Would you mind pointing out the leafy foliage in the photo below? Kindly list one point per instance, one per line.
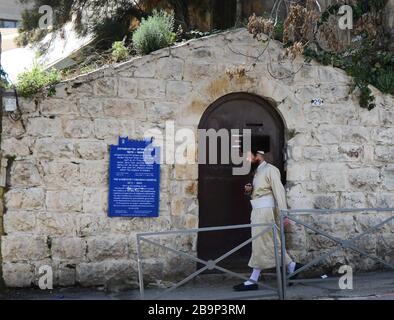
(366, 58)
(366, 65)
(36, 80)
(154, 33)
(119, 51)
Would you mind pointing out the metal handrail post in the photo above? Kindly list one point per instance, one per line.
(277, 262)
(140, 271)
(283, 256)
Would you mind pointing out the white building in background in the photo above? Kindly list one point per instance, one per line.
(10, 13)
(60, 44)
(10, 18)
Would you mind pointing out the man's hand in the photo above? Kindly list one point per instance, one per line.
(248, 188)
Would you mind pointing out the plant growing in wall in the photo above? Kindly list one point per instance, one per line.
(36, 80)
(366, 58)
(119, 51)
(155, 32)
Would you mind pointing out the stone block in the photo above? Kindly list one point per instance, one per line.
(161, 111)
(25, 174)
(386, 117)
(297, 172)
(349, 152)
(326, 201)
(30, 199)
(18, 275)
(91, 107)
(61, 174)
(94, 173)
(178, 90)
(356, 134)
(169, 68)
(92, 225)
(65, 106)
(24, 248)
(19, 221)
(11, 128)
(125, 107)
(329, 134)
(16, 147)
(44, 127)
(107, 128)
(353, 200)
(78, 128)
(106, 87)
(146, 69)
(365, 178)
(107, 247)
(69, 200)
(196, 71)
(65, 274)
(384, 153)
(388, 177)
(186, 172)
(28, 106)
(95, 200)
(128, 88)
(68, 249)
(383, 136)
(57, 224)
(51, 148)
(108, 273)
(92, 150)
(331, 177)
(151, 89)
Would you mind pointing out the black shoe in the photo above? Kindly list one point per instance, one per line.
(297, 266)
(244, 287)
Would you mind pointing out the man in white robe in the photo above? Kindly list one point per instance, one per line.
(268, 198)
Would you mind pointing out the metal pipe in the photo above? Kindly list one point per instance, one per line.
(282, 254)
(140, 271)
(277, 263)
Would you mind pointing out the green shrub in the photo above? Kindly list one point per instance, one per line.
(154, 33)
(119, 51)
(385, 81)
(35, 80)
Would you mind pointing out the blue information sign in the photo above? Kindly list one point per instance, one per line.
(134, 184)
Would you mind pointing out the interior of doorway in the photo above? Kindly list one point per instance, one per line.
(221, 198)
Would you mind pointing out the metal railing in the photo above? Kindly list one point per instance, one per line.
(341, 243)
(210, 264)
(282, 278)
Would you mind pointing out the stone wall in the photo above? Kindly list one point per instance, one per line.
(339, 155)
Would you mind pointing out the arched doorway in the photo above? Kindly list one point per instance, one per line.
(221, 197)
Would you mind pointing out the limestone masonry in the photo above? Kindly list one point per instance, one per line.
(55, 160)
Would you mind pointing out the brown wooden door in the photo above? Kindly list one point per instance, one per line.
(221, 197)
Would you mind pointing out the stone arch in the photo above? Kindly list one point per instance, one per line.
(220, 195)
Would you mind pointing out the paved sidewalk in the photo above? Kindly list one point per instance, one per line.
(369, 286)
